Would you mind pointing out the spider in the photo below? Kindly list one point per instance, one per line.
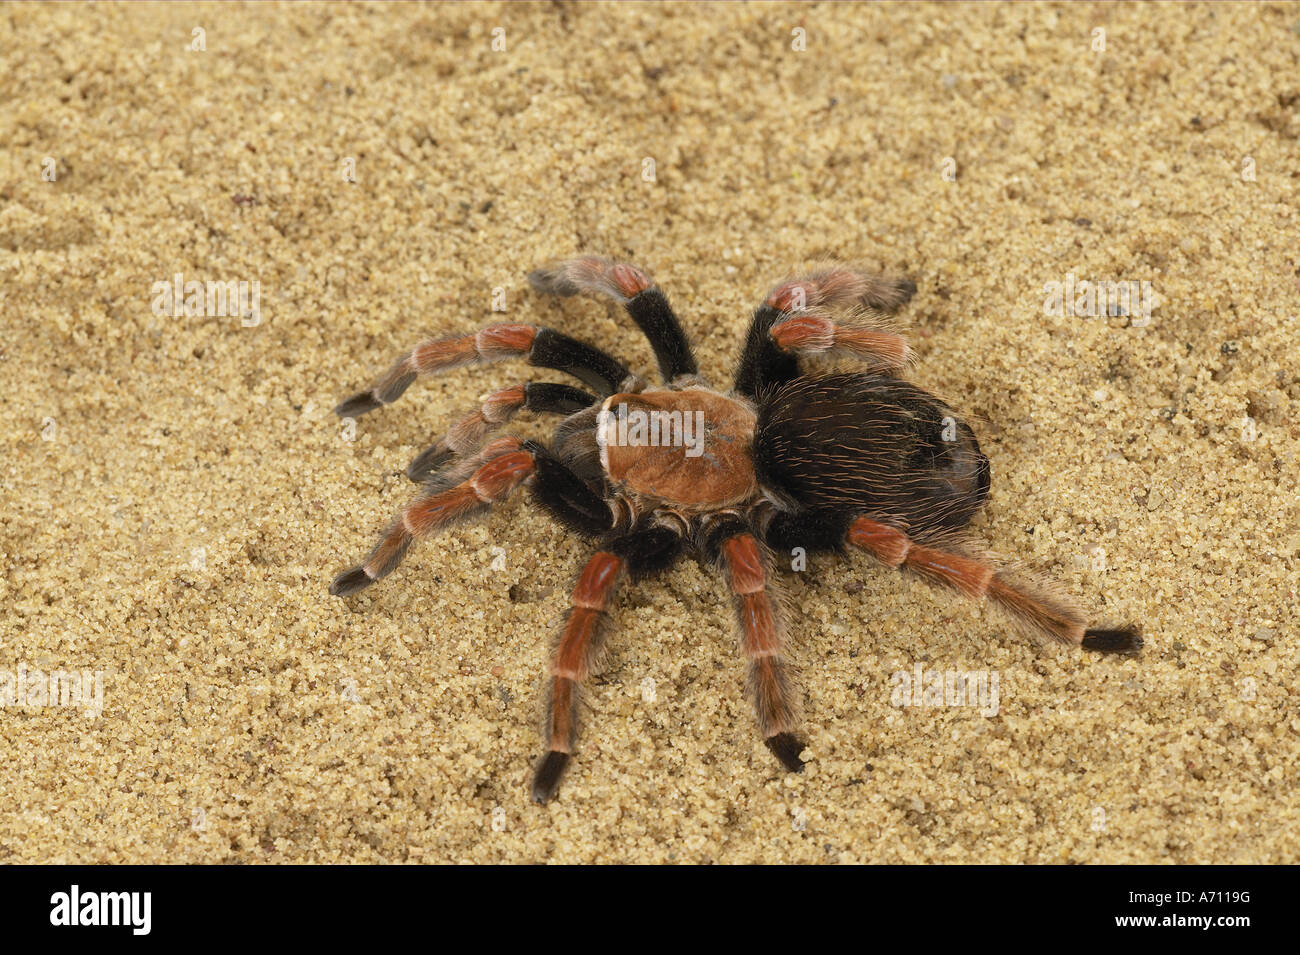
(783, 459)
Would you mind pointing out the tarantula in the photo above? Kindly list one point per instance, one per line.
(781, 460)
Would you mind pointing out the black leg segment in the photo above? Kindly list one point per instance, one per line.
(591, 366)
(566, 497)
(654, 316)
(632, 288)
(762, 364)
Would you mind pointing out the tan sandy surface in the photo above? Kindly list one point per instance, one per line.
(177, 494)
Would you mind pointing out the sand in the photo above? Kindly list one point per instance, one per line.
(177, 494)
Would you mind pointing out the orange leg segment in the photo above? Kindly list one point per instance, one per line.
(580, 644)
(976, 579)
(761, 640)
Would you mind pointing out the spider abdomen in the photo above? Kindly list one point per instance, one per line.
(870, 444)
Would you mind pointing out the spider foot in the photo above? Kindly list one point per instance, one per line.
(547, 778)
(358, 405)
(428, 461)
(389, 389)
(350, 581)
(1120, 640)
(786, 747)
(591, 275)
(843, 287)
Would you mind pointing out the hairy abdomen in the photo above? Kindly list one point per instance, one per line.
(870, 444)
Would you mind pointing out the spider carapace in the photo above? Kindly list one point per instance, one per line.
(784, 459)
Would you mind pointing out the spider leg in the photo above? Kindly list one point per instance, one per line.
(632, 288)
(567, 498)
(817, 334)
(1039, 615)
(465, 491)
(769, 680)
(470, 432)
(468, 489)
(640, 553)
(543, 347)
(764, 363)
(812, 531)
